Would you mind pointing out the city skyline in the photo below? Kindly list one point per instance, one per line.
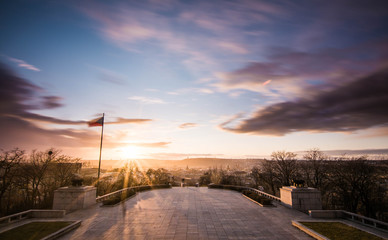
(193, 78)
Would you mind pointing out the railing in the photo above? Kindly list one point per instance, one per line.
(237, 188)
(264, 194)
(15, 217)
(137, 189)
(32, 213)
(365, 221)
(332, 214)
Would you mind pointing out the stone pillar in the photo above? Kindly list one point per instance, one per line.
(74, 198)
(301, 198)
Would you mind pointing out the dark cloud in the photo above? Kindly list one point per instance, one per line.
(51, 102)
(17, 132)
(17, 95)
(355, 105)
(188, 125)
(288, 71)
(19, 126)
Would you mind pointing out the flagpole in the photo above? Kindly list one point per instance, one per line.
(99, 160)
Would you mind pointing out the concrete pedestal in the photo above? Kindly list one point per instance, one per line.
(74, 198)
(302, 199)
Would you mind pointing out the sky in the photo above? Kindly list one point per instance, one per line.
(180, 79)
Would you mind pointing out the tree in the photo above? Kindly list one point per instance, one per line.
(217, 175)
(285, 166)
(9, 164)
(161, 176)
(61, 170)
(355, 183)
(314, 168)
(269, 178)
(158, 176)
(29, 181)
(205, 179)
(255, 174)
(34, 170)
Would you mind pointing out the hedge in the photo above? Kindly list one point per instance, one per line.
(258, 198)
(244, 190)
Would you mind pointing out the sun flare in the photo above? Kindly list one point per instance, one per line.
(130, 152)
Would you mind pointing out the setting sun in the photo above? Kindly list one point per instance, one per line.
(130, 152)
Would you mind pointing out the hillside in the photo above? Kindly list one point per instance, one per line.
(203, 163)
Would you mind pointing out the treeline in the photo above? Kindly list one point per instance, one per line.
(129, 176)
(353, 184)
(29, 181)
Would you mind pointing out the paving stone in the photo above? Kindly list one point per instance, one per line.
(186, 213)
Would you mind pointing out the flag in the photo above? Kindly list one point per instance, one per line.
(96, 122)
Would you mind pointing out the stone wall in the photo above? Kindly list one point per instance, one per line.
(302, 199)
(73, 198)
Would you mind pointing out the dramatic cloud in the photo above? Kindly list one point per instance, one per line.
(23, 64)
(353, 106)
(19, 126)
(286, 72)
(188, 125)
(18, 95)
(147, 100)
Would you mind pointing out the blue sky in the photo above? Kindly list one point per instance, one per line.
(194, 78)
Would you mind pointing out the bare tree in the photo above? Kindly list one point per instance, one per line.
(355, 182)
(9, 164)
(314, 169)
(285, 166)
(268, 175)
(255, 174)
(59, 174)
(217, 175)
(34, 170)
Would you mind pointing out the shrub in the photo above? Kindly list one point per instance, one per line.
(258, 198)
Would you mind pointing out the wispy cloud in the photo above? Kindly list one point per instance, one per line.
(23, 64)
(129, 120)
(194, 32)
(147, 100)
(267, 82)
(188, 125)
(233, 47)
(110, 76)
(191, 90)
(151, 144)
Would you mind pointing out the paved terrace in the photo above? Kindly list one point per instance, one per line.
(186, 213)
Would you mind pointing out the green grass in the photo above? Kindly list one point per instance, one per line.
(340, 231)
(33, 230)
